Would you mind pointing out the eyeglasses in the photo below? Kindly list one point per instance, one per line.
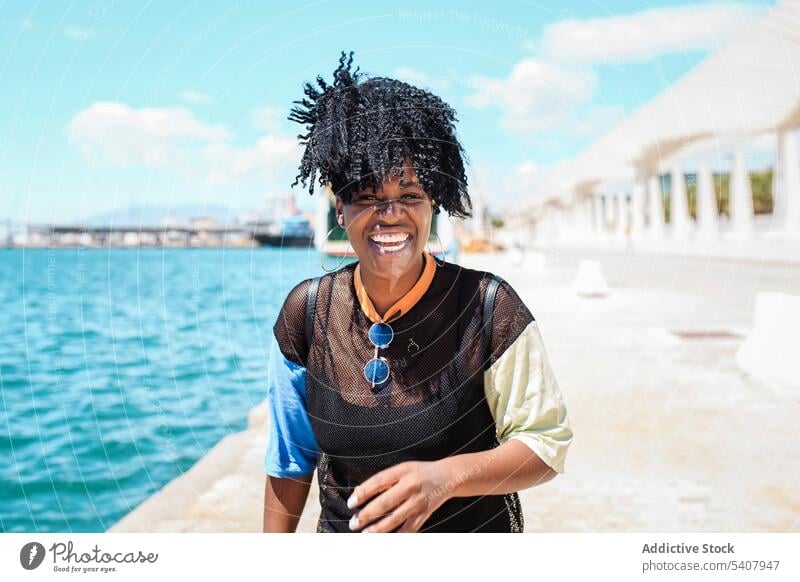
(376, 371)
(412, 202)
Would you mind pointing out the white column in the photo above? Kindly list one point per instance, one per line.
(598, 216)
(707, 213)
(777, 186)
(553, 223)
(637, 209)
(679, 217)
(557, 218)
(577, 213)
(540, 227)
(586, 220)
(543, 227)
(741, 203)
(621, 229)
(655, 208)
(609, 207)
(567, 221)
(786, 188)
(562, 223)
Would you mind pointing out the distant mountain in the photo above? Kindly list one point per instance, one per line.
(148, 215)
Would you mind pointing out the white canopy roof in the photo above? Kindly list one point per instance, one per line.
(749, 86)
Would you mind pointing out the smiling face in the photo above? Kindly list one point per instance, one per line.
(388, 229)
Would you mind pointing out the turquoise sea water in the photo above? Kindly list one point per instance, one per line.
(120, 368)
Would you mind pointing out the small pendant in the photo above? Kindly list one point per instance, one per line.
(412, 346)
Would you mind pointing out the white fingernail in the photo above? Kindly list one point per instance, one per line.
(352, 502)
(354, 522)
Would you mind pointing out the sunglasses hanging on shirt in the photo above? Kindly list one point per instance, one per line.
(376, 370)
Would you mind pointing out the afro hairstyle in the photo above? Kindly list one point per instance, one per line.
(359, 131)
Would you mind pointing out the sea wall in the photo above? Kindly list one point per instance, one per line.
(222, 492)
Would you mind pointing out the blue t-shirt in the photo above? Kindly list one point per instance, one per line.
(292, 448)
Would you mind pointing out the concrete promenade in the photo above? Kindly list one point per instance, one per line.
(669, 434)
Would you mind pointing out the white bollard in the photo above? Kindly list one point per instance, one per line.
(590, 281)
(770, 352)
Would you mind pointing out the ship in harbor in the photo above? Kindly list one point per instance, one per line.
(281, 224)
(291, 231)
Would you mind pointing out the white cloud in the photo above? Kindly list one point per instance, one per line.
(76, 33)
(503, 187)
(195, 97)
(172, 138)
(536, 95)
(528, 169)
(646, 34)
(270, 158)
(268, 118)
(118, 134)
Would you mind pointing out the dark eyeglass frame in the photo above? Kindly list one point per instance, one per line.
(411, 202)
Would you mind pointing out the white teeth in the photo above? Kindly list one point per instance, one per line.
(392, 247)
(389, 238)
(390, 242)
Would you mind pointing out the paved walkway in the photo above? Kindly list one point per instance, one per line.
(669, 434)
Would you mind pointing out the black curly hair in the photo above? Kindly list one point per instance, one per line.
(359, 132)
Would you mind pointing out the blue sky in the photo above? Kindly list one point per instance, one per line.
(109, 103)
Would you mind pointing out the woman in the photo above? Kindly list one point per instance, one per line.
(421, 408)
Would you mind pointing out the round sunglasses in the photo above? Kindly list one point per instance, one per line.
(376, 371)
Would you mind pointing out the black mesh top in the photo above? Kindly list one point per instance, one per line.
(433, 405)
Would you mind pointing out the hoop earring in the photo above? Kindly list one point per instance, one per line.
(441, 246)
(322, 252)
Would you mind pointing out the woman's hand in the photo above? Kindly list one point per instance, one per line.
(404, 495)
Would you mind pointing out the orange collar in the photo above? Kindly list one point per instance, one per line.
(405, 303)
